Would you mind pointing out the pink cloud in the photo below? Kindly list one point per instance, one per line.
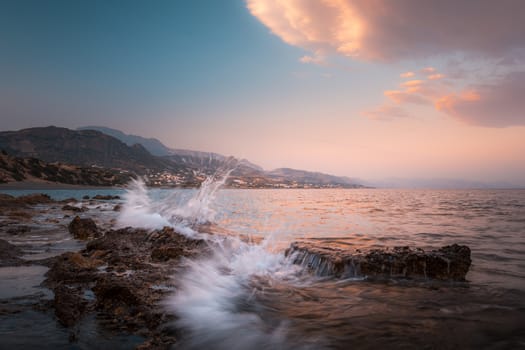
(386, 112)
(407, 75)
(496, 105)
(405, 97)
(435, 76)
(387, 30)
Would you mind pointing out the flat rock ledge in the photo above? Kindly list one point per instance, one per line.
(449, 263)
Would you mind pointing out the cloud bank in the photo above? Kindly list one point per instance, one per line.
(387, 31)
(391, 30)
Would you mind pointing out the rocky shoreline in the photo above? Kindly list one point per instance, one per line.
(123, 277)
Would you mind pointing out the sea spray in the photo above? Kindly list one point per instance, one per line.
(140, 210)
(214, 303)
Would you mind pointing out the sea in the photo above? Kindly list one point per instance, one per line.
(248, 295)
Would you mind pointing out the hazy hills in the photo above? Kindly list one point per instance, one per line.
(112, 149)
(245, 171)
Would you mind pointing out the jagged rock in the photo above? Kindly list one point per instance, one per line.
(69, 304)
(117, 207)
(73, 208)
(72, 268)
(447, 263)
(105, 197)
(128, 279)
(7, 201)
(9, 254)
(17, 230)
(83, 228)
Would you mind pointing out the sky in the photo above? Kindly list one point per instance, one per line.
(370, 89)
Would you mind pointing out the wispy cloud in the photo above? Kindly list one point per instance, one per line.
(386, 112)
(495, 105)
(407, 75)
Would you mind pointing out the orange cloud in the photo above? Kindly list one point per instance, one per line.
(384, 30)
(386, 112)
(435, 76)
(407, 75)
(428, 70)
(331, 25)
(500, 104)
(405, 97)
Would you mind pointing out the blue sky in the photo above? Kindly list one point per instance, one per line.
(334, 86)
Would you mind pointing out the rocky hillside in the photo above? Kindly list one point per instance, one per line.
(245, 174)
(14, 169)
(83, 147)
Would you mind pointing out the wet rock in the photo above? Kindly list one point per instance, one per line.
(117, 207)
(72, 208)
(37, 198)
(22, 202)
(105, 197)
(447, 263)
(85, 197)
(18, 230)
(69, 304)
(9, 254)
(83, 228)
(69, 200)
(72, 268)
(130, 274)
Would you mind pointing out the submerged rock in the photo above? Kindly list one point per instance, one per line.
(9, 254)
(447, 263)
(83, 228)
(73, 208)
(105, 197)
(69, 304)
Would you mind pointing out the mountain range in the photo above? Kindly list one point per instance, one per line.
(110, 148)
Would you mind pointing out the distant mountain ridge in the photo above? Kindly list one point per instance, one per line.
(186, 157)
(154, 146)
(83, 147)
(209, 162)
(97, 148)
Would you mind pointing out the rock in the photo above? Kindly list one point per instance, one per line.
(69, 304)
(105, 197)
(32, 199)
(117, 207)
(73, 208)
(9, 254)
(85, 197)
(447, 263)
(17, 230)
(7, 201)
(130, 273)
(83, 228)
(72, 268)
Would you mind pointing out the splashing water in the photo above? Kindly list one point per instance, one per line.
(214, 303)
(140, 210)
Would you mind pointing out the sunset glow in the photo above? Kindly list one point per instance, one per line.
(366, 89)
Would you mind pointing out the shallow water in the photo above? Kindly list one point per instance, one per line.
(250, 296)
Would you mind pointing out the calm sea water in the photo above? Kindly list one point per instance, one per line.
(250, 297)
